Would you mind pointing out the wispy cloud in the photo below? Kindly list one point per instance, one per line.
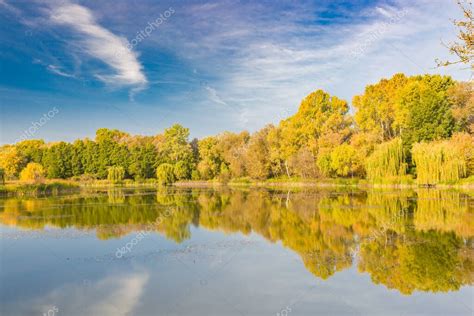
(267, 58)
(100, 43)
(58, 71)
(213, 96)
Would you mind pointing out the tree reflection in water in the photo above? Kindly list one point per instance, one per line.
(405, 239)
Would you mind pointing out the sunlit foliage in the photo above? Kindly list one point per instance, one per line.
(322, 139)
(165, 174)
(115, 174)
(32, 172)
(386, 161)
(440, 161)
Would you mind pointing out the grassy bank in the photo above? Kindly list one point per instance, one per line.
(50, 187)
(394, 182)
(59, 186)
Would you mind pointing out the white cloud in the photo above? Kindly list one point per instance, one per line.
(112, 295)
(57, 70)
(266, 59)
(213, 96)
(100, 43)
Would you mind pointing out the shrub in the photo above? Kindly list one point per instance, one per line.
(165, 174)
(32, 172)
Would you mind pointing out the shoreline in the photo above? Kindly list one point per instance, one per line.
(319, 184)
(55, 187)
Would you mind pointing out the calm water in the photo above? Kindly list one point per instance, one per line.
(238, 252)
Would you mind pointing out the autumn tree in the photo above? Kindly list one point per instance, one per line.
(461, 96)
(321, 121)
(32, 172)
(10, 161)
(210, 158)
(257, 155)
(378, 109)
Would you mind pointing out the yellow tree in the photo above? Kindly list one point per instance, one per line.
(378, 110)
(10, 161)
(321, 119)
(32, 172)
(461, 96)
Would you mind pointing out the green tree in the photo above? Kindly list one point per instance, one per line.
(210, 158)
(181, 170)
(175, 146)
(30, 150)
(2, 176)
(57, 160)
(111, 150)
(143, 161)
(78, 148)
(430, 115)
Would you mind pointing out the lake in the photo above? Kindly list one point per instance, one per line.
(242, 251)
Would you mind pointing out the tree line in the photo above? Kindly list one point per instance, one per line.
(404, 127)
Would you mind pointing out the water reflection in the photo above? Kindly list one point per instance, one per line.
(406, 240)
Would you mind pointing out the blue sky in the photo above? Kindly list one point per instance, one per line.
(142, 66)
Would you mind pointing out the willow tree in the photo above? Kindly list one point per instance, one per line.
(387, 161)
(438, 161)
(165, 174)
(115, 174)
